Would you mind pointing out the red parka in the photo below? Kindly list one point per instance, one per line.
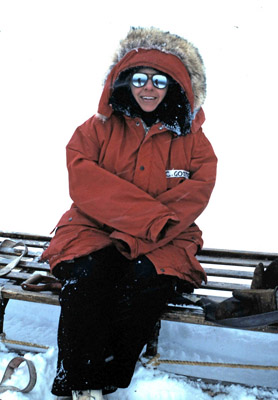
(140, 192)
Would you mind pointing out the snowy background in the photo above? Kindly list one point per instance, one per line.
(54, 55)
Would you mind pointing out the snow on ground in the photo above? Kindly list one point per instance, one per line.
(38, 323)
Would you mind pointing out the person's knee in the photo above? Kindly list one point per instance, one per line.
(143, 268)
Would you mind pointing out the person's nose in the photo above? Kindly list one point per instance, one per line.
(149, 85)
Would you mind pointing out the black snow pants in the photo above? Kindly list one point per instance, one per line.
(109, 309)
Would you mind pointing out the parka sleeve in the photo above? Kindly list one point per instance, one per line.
(187, 200)
(105, 197)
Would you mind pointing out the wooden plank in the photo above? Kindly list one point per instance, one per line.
(233, 261)
(33, 243)
(16, 252)
(215, 253)
(33, 265)
(15, 292)
(20, 275)
(225, 286)
(184, 315)
(228, 273)
(22, 235)
(36, 243)
(16, 276)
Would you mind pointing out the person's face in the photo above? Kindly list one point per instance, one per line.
(148, 96)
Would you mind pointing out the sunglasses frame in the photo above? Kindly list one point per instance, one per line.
(149, 77)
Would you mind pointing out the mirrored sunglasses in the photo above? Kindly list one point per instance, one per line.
(140, 79)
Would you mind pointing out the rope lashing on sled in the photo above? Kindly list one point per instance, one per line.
(4, 340)
(157, 361)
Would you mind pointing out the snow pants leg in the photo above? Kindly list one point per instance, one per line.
(109, 308)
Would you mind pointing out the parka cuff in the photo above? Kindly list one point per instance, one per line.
(126, 244)
(159, 227)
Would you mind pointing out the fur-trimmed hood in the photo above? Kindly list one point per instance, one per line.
(153, 38)
(163, 51)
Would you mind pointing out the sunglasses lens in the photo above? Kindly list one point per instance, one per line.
(139, 80)
(160, 81)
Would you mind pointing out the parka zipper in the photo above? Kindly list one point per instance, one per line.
(145, 127)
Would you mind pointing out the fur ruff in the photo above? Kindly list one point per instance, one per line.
(153, 38)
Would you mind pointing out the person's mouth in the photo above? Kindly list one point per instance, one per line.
(148, 98)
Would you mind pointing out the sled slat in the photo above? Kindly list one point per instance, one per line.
(17, 293)
(229, 273)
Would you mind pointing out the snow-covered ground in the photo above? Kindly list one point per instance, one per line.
(38, 324)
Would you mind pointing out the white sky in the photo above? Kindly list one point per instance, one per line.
(54, 55)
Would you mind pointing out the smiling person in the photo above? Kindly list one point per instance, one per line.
(141, 171)
(149, 88)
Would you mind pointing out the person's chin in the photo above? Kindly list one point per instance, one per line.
(148, 107)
